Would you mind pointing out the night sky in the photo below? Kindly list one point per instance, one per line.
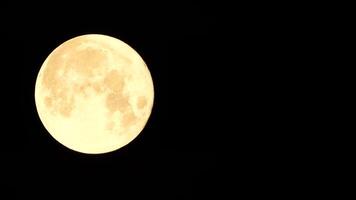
(175, 156)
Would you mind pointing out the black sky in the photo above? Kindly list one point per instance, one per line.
(175, 156)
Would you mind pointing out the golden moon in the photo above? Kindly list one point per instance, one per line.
(94, 94)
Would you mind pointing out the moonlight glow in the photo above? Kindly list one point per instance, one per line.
(94, 94)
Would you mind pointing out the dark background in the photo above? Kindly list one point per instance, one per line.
(175, 157)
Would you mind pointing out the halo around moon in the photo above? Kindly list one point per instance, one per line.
(94, 94)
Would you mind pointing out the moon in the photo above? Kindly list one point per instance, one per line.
(94, 94)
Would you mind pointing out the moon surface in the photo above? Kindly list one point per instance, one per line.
(94, 94)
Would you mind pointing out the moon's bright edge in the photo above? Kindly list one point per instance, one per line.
(94, 94)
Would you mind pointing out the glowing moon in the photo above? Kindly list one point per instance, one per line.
(94, 94)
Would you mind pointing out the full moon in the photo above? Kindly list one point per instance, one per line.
(94, 94)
